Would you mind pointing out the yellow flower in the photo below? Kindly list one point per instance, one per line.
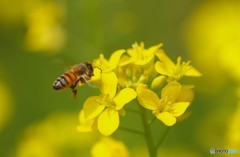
(44, 23)
(174, 72)
(165, 109)
(108, 65)
(108, 147)
(139, 55)
(107, 107)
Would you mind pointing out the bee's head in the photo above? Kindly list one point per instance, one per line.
(89, 67)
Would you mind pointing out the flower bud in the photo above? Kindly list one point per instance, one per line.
(158, 81)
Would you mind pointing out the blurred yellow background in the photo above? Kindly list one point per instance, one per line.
(40, 38)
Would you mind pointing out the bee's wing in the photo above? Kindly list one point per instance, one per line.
(64, 61)
(88, 83)
(92, 85)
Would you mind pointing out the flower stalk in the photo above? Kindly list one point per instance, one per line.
(148, 134)
(162, 138)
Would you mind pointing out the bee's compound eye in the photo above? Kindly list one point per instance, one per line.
(89, 66)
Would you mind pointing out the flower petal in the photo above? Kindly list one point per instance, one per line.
(95, 80)
(147, 98)
(81, 117)
(125, 60)
(171, 91)
(167, 118)
(115, 57)
(108, 121)
(109, 84)
(132, 53)
(163, 69)
(165, 66)
(152, 50)
(136, 50)
(85, 125)
(179, 108)
(165, 59)
(149, 69)
(144, 61)
(193, 72)
(148, 54)
(123, 97)
(93, 106)
(96, 74)
(101, 63)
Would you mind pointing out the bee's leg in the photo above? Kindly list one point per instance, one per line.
(74, 89)
(82, 80)
(74, 86)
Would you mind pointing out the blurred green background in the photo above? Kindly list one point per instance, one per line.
(39, 38)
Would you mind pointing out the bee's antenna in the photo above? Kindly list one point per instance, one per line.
(99, 69)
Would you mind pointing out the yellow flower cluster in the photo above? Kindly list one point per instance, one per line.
(136, 73)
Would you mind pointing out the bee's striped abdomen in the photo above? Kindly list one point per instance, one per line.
(65, 80)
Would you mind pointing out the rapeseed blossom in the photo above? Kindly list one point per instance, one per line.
(167, 108)
(174, 72)
(107, 107)
(109, 147)
(44, 31)
(147, 75)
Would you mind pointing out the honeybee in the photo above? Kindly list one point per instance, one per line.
(79, 73)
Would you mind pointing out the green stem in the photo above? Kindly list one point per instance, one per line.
(162, 138)
(152, 120)
(148, 134)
